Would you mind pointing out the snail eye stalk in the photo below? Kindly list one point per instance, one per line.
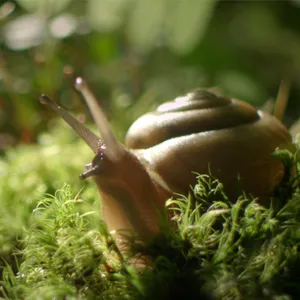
(92, 140)
(114, 150)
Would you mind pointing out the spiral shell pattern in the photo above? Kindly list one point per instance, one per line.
(198, 111)
(204, 133)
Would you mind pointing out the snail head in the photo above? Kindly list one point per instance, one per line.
(106, 148)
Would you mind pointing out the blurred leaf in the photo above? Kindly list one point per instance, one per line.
(296, 2)
(180, 24)
(47, 7)
(186, 23)
(145, 24)
(241, 86)
(63, 25)
(17, 38)
(6, 9)
(106, 15)
(247, 24)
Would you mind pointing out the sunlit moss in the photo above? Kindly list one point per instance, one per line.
(54, 244)
(30, 171)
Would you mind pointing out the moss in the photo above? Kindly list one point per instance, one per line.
(58, 247)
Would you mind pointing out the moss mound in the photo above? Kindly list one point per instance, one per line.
(210, 249)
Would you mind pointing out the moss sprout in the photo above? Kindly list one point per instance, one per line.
(210, 248)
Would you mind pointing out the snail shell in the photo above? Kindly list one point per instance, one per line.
(206, 133)
(200, 132)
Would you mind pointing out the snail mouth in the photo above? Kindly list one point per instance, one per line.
(91, 170)
(95, 167)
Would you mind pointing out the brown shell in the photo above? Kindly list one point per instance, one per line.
(204, 133)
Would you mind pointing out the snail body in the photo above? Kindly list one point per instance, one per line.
(200, 132)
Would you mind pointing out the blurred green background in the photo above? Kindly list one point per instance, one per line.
(134, 54)
(137, 53)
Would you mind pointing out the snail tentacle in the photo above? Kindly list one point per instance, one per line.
(92, 140)
(113, 149)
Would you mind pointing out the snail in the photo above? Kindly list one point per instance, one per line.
(199, 132)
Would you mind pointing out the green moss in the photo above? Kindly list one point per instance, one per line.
(28, 172)
(58, 247)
